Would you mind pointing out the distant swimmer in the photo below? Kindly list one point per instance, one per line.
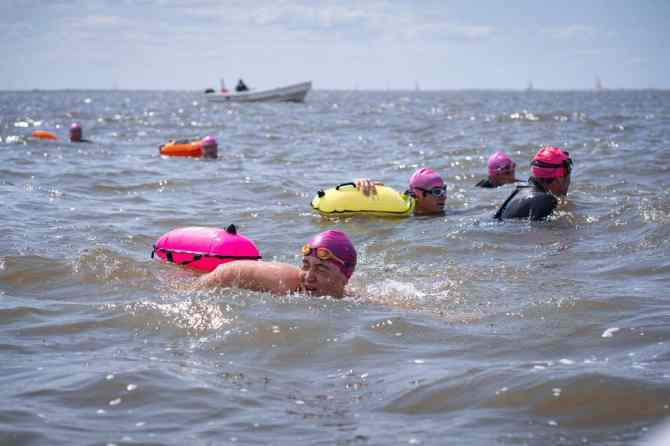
(206, 147)
(328, 261)
(241, 86)
(425, 185)
(76, 133)
(551, 168)
(501, 171)
(210, 148)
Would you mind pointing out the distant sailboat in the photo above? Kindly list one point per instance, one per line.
(599, 84)
(417, 87)
(530, 86)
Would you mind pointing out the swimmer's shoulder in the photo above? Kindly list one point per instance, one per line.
(485, 183)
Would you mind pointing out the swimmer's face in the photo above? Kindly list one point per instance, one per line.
(210, 151)
(506, 177)
(429, 203)
(75, 135)
(321, 277)
(564, 185)
(560, 185)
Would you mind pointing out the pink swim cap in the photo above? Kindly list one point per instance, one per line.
(339, 244)
(209, 141)
(425, 178)
(551, 162)
(75, 126)
(500, 164)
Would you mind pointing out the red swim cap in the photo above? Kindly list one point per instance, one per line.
(551, 162)
(337, 243)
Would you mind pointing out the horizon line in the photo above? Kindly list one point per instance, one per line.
(422, 90)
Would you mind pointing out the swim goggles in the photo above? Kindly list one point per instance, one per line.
(507, 168)
(437, 191)
(567, 163)
(321, 253)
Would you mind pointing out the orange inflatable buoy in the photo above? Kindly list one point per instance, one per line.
(43, 134)
(182, 147)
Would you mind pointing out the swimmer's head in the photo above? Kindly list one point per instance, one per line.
(335, 247)
(500, 164)
(551, 167)
(329, 260)
(75, 132)
(551, 162)
(429, 190)
(210, 147)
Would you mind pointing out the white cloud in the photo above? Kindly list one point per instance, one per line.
(99, 21)
(445, 32)
(576, 33)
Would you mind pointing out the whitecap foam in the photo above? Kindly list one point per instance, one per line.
(610, 332)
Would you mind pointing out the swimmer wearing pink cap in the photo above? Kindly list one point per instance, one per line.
(551, 168)
(210, 148)
(429, 191)
(425, 185)
(76, 133)
(501, 170)
(328, 261)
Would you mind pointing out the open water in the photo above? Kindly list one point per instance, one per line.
(463, 330)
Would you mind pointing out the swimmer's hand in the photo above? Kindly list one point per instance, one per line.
(367, 186)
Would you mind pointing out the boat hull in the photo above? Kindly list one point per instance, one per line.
(290, 93)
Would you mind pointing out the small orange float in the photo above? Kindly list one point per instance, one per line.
(182, 147)
(44, 134)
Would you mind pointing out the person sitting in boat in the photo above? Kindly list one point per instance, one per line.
(241, 86)
(550, 168)
(501, 171)
(328, 261)
(425, 185)
(76, 133)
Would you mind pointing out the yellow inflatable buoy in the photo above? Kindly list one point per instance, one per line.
(346, 200)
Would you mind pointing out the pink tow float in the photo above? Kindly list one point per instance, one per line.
(204, 249)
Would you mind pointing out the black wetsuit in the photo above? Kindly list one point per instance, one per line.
(531, 201)
(486, 183)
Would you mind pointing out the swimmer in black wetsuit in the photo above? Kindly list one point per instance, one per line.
(551, 168)
(501, 171)
(210, 148)
(76, 133)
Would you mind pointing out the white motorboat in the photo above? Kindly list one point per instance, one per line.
(290, 93)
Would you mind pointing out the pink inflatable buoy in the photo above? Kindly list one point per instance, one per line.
(203, 248)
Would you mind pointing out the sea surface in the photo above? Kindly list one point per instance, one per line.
(462, 330)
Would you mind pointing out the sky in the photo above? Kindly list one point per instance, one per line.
(347, 44)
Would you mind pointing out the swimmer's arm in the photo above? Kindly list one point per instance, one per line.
(367, 186)
(276, 278)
